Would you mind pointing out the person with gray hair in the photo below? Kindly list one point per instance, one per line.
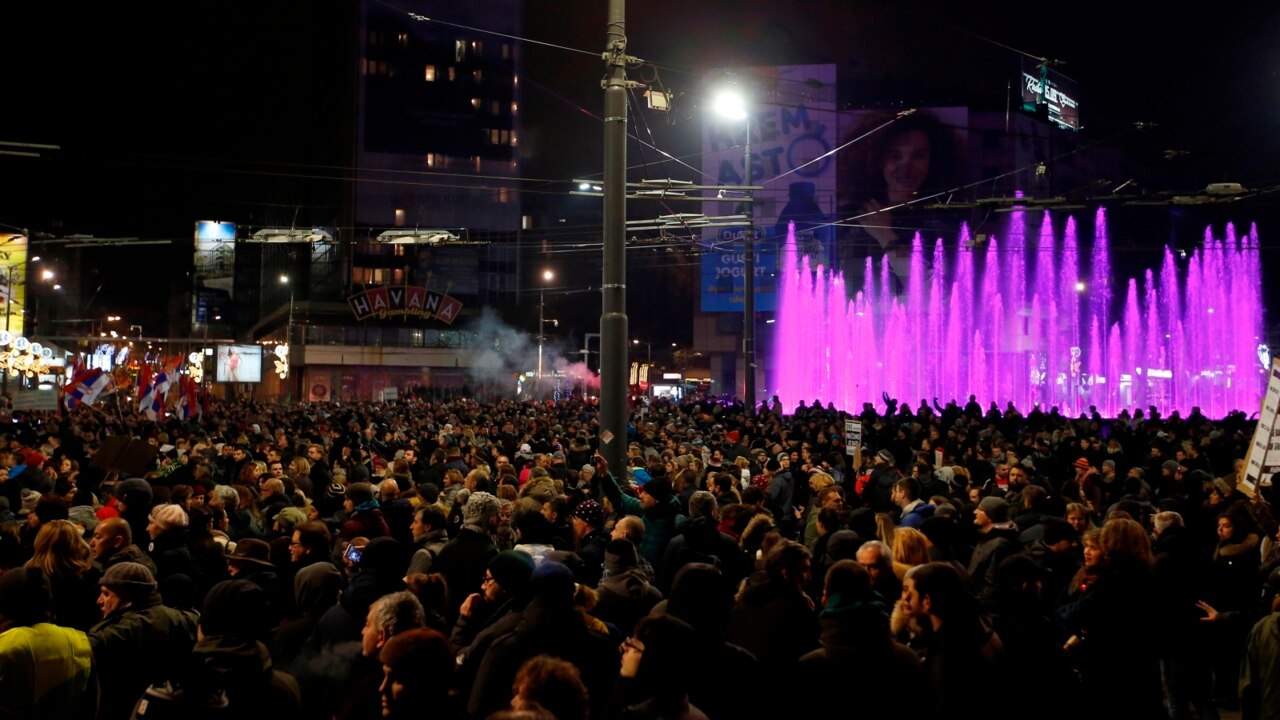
(699, 540)
(389, 616)
(877, 558)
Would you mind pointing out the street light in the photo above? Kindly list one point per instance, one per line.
(288, 333)
(730, 105)
(649, 346)
(547, 276)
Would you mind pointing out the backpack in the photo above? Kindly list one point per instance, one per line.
(195, 702)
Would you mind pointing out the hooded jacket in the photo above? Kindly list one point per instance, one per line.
(700, 540)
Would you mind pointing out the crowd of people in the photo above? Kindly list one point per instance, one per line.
(476, 560)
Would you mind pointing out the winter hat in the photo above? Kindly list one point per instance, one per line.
(168, 517)
(557, 455)
(134, 491)
(291, 517)
(659, 488)
(360, 493)
(620, 555)
(83, 515)
(525, 449)
(553, 581)
(589, 512)
(30, 498)
(512, 569)
(26, 597)
(234, 608)
(1082, 464)
(886, 456)
(479, 508)
(1172, 466)
(128, 579)
(252, 552)
(996, 508)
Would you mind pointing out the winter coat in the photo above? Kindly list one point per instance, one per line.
(45, 672)
(137, 645)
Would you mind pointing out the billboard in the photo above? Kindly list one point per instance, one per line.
(215, 269)
(792, 122)
(13, 281)
(1059, 93)
(239, 363)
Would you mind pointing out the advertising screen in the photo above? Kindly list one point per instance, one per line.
(239, 363)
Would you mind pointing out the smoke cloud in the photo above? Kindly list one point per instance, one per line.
(506, 352)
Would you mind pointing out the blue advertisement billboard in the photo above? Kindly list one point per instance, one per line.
(793, 124)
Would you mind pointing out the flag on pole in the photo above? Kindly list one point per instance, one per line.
(151, 402)
(86, 386)
(188, 399)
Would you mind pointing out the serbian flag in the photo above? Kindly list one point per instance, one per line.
(151, 402)
(86, 386)
(188, 399)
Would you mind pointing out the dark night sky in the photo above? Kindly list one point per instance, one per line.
(168, 113)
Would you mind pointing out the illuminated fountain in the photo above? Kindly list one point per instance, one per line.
(1030, 318)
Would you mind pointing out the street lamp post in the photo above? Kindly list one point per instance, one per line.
(288, 335)
(731, 106)
(547, 276)
(649, 346)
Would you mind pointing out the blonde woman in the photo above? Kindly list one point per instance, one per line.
(910, 548)
(64, 556)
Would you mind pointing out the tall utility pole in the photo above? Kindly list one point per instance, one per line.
(613, 316)
(749, 284)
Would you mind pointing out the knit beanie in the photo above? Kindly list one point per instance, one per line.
(128, 579)
(168, 517)
(479, 508)
(512, 569)
(135, 491)
(996, 508)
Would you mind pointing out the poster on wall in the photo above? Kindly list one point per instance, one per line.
(239, 363)
(317, 385)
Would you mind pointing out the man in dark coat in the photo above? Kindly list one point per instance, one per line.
(139, 639)
(229, 663)
(700, 540)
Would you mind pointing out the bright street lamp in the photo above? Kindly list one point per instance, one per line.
(730, 105)
(547, 276)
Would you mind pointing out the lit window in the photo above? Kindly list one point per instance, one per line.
(460, 50)
(504, 194)
(453, 74)
(477, 47)
(475, 160)
(495, 136)
(475, 103)
(506, 51)
(513, 139)
(404, 39)
(495, 108)
(429, 74)
(399, 217)
(526, 222)
(476, 76)
(431, 160)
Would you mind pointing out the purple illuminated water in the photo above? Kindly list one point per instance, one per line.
(1030, 320)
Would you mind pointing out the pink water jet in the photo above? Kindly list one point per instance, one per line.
(1031, 321)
